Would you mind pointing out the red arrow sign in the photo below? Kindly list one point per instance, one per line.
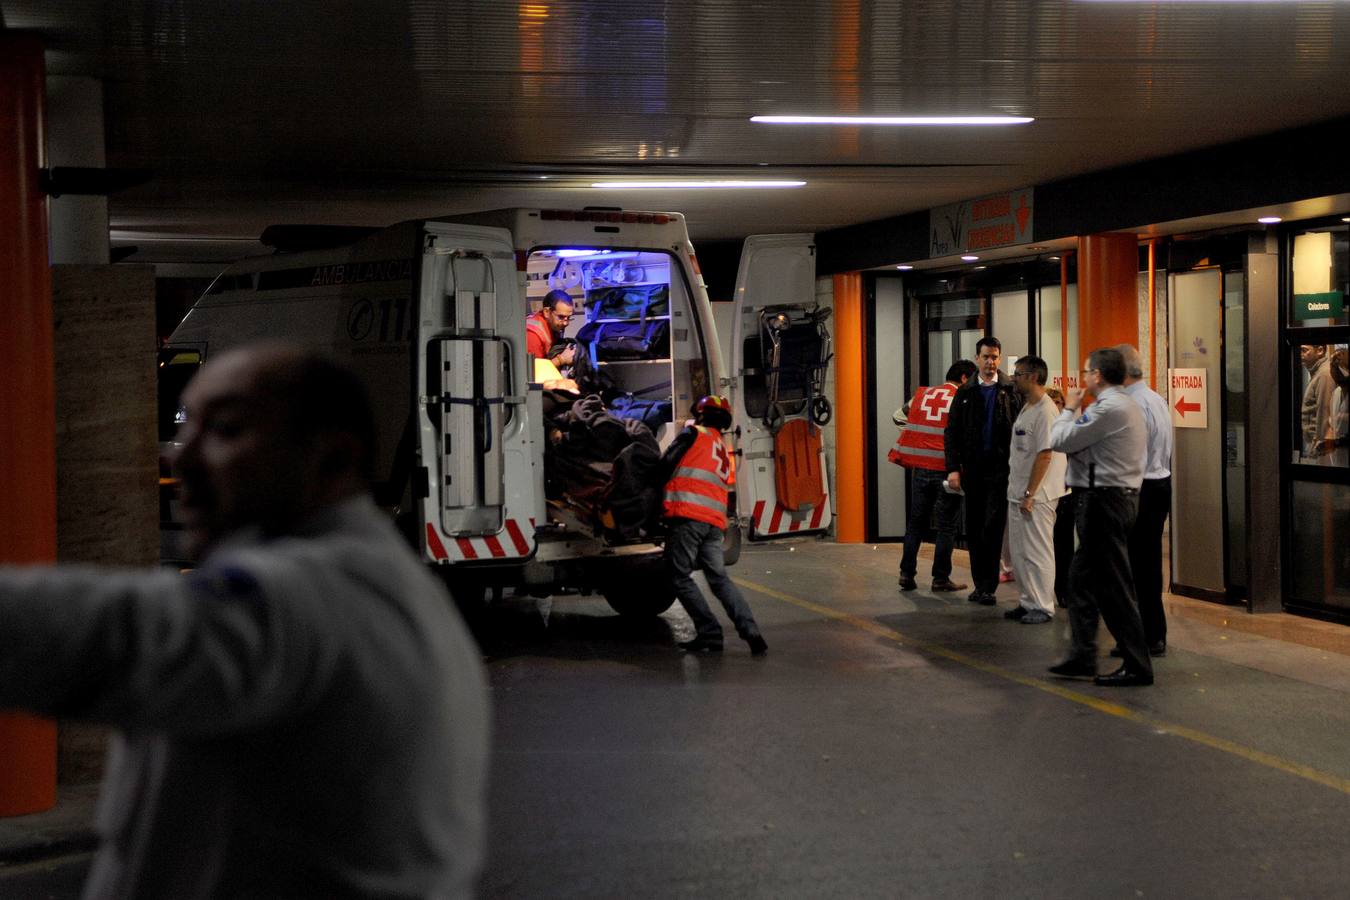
(1183, 407)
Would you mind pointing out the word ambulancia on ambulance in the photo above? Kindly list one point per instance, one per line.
(501, 470)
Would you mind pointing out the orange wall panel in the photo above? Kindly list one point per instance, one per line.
(850, 415)
(1108, 291)
(27, 390)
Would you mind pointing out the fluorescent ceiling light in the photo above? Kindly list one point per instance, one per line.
(970, 257)
(1270, 220)
(682, 185)
(904, 268)
(892, 120)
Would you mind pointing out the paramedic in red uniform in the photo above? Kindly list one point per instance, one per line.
(920, 449)
(543, 328)
(699, 472)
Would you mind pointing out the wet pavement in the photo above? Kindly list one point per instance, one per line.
(889, 745)
(907, 745)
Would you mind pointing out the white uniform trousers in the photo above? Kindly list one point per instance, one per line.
(1032, 541)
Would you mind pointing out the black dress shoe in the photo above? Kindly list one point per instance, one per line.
(1074, 667)
(1123, 677)
(1016, 612)
(907, 583)
(987, 600)
(758, 646)
(700, 645)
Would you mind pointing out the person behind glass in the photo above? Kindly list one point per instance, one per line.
(1337, 443)
(544, 328)
(920, 449)
(1035, 484)
(699, 470)
(977, 439)
(1105, 446)
(1316, 408)
(1064, 515)
(1155, 502)
(304, 712)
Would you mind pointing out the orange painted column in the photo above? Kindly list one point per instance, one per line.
(27, 391)
(1108, 291)
(850, 413)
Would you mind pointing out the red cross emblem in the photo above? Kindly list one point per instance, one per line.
(935, 404)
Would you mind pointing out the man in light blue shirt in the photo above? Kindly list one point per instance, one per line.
(1105, 445)
(1155, 502)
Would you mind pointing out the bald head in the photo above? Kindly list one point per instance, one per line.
(273, 435)
(1134, 363)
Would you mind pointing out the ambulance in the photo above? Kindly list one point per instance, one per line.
(431, 313)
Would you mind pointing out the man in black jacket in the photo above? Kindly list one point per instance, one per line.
(978, 437)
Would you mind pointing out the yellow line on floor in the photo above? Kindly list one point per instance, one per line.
(1059, 690)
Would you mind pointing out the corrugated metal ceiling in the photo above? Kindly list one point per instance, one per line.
(256, 112)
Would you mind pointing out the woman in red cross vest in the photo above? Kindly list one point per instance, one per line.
(700, 471)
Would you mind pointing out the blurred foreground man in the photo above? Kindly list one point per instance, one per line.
(1105, 446)
(304, 714)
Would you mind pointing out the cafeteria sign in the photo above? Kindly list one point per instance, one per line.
(1326, 305)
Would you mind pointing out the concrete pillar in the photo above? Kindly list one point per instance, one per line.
(27, 393)
(1108, 292)
(79, 224)
(850, 410)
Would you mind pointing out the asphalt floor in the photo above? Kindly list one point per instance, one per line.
(890, 745)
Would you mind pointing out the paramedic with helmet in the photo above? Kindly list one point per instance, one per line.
(699, 471)
(542, 329)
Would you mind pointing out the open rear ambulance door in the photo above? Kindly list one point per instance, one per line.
(780, 350)
(481, 490)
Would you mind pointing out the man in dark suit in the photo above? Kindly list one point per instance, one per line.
(978, 437)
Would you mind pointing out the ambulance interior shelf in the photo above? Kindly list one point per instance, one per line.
(602, 443)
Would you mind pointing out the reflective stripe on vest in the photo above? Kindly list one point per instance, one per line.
(699, 487)
(541, 330)
(921, 441)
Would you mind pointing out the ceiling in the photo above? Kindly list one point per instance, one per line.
(255, 112)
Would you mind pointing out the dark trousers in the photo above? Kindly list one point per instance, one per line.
(927, 495)
(1100, 580)
(986, 516)
(1064, 527)
(1155, 502)
(690, 546)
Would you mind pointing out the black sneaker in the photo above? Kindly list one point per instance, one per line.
(700, 645)
(986, 600)
(1016, 612)
(907, 582)
(758, 646)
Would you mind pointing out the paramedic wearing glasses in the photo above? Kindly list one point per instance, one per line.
(544, 328)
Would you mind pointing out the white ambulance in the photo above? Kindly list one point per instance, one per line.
(432, 314)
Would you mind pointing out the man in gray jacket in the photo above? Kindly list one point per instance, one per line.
(302, 715)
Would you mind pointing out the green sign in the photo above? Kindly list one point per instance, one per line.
(1328, 305)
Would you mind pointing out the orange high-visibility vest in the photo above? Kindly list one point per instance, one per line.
(702, 479)
(538, 335)
(920, 445)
